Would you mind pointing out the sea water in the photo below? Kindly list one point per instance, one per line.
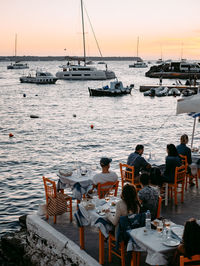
(62, 138)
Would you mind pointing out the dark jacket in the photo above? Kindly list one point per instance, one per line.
(170, 164)
(184, 150)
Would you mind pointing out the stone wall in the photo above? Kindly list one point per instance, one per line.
(51, 247)
(41, 245)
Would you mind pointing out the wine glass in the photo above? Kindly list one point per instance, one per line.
(159, 228)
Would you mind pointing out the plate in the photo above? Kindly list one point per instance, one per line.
(171, 242)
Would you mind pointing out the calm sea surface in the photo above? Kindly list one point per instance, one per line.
(58, 140)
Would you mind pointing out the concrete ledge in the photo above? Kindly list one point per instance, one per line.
(57, 242)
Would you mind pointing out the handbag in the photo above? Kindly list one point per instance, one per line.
(56, 205)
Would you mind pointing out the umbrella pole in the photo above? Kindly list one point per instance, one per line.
(193, 131)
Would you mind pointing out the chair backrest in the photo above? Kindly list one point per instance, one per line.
(127, 173)
(180, 173)
(50, 188)
(105, 189)
(194, 258)
(159, 207)
(184, 161)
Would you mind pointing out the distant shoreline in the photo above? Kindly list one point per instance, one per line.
(64, 58)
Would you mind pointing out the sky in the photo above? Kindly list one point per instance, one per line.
(166, 28)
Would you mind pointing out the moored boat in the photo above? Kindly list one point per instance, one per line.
(116, 88)
(39, 77)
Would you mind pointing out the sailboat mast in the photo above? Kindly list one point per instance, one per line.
(15, 45)
(83, 29)
(137, 45)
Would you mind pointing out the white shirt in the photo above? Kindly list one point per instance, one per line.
(105, 177)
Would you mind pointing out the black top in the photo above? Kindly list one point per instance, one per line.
(170, 164)
(136, 160)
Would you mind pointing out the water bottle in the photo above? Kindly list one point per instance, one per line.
(148, 221)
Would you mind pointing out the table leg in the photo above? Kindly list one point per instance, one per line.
(166, 194)
(101, 248)
(81, 236)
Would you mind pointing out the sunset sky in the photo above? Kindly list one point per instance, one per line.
(47, 27)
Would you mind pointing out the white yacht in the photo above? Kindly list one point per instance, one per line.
(40, 77)
(139, 64)
(84, 72)
(17, 64)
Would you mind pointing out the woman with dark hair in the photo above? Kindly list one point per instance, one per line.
(191, 241)
(172, 161)
(183, 149)
(129, 204)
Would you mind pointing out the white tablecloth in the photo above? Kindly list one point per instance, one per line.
(157, 253)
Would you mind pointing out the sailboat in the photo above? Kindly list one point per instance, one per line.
(83, 72)
(138, 64)
(160, 60)
(17, 64)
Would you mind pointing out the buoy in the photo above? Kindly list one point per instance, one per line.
(91, 126)
(24, 94)
(74, 115)
(34, 116)
(11, 135)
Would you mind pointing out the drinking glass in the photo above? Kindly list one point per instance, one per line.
(167, 223)
(159, 228)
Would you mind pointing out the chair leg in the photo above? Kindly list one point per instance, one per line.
(122, 253)
(54, 219)
(138, 259)
(70, 209)
(186, 181)
(175, 196)
(109, 249)
(81, 235)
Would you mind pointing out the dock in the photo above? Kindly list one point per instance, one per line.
(144, 88)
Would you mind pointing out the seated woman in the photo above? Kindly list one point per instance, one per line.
(128, 204)
(191, 241)
(172, 161)
(148, 196)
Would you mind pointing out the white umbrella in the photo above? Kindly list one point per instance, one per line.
(189, 105)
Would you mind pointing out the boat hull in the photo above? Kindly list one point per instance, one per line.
(38, 81)
(172, 75)
(78, 75)
(96, 92)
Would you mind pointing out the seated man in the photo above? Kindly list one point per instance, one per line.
(148, 196)
(135, 159)
(106, 175)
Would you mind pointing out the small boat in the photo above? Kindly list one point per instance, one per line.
(17, 65)
(139, 64)
(187, 92)
(174, 92)
(39, 77)
(116, 88)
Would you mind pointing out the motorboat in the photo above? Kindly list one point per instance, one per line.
(17, 65)
(187, 92)
(139, 64)
(159, 61)
(175, 70)
(159, 91)
(83, 72)
(39, 77)
(116, 88)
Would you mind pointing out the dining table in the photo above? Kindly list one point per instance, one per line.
(92, 212)
(159, 248)
(78, 181)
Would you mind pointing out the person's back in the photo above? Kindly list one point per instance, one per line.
(148, 196)
(183, 149)
(106, 175)
(135, 159)
(171, 163)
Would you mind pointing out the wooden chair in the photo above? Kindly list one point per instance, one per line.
(179, 182)
(194, 258)
(189, 176)
(128, 175)
(50, 191)
(105, 189)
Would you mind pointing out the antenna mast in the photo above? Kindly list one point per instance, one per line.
(83, 32)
